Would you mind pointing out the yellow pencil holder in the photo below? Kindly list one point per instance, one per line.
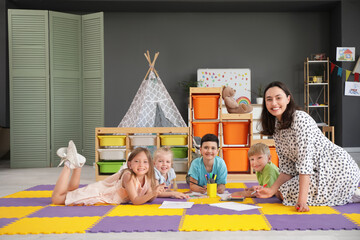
(212, 190)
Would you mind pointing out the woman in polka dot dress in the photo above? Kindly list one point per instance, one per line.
(313, 170)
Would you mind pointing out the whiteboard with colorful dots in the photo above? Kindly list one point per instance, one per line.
(237, 78)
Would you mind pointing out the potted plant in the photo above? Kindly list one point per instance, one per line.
(259, 94)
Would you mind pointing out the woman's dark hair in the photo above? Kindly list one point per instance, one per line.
(209, 138)
(268, 120)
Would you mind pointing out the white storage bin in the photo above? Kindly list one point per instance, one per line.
(112, 154)
(180, 166)
(143, 140)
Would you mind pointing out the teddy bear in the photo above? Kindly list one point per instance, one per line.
(231, 105)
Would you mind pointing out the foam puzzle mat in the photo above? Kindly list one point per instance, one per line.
(31, 212)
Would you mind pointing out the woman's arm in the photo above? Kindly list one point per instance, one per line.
(269, 192)
(304, 182)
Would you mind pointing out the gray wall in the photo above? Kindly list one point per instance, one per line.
(273, 45)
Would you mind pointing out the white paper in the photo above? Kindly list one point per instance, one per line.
(234, 206)
(176, 205)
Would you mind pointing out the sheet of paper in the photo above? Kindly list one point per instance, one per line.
(174, 205)
(234, 206)
(196, 195)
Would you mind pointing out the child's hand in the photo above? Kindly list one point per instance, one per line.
(302, 207)
(180, 195)
(159, 189)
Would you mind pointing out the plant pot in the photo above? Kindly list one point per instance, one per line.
(259, 100)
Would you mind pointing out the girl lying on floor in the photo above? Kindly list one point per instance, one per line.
(135, 184)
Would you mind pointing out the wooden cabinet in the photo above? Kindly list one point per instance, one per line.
(316, 90)
(217, 122)
(152, 138)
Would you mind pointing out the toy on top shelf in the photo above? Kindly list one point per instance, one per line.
(231, 105)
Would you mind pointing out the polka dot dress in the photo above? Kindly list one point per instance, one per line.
(303, 149)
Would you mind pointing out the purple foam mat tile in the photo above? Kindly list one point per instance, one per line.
(311, 222)
(183, 186)
(267, 200)
(137, 224)
(232, 190)
(161, 200)
(6, 221)
(72, 211)
(251, 184)
(348, 208)
(49, 187)
(205, 209)
(16, 202)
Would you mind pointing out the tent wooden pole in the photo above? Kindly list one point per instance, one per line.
(151, 64)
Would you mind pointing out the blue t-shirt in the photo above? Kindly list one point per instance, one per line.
(198, 171)
(170, 176)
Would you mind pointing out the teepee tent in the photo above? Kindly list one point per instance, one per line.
(152, 105)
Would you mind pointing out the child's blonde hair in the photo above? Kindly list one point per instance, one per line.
(259, 148)
(150, 174)
(165, 150)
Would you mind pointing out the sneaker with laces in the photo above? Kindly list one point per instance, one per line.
(74, 158)
(69, 154)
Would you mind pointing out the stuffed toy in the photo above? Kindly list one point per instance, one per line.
(231, 105)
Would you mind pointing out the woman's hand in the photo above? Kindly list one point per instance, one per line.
(265, 192)
(302, 207)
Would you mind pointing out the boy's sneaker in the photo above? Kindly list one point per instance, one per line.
(70, 154)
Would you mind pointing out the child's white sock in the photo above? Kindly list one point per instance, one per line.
(356, 196)
(68, 164)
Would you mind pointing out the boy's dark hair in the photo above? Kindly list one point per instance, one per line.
(209, 138)
(268, 120)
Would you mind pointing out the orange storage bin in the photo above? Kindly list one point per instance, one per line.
(202, 128)
(274, 156)
(236, 159)
(236, 133)
(205, 106)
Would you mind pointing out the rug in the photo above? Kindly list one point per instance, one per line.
(31, 212)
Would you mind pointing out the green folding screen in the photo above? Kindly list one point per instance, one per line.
(56, 86)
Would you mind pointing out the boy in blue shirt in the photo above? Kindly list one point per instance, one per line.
(210, 163)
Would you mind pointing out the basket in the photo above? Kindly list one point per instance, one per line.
(168, 140)
(236, 133)
(112, 140)
(206, 106)
(236, 159)
(146, 140)
(112, 154)
(202, 128)
(110, 167)
(180, 152)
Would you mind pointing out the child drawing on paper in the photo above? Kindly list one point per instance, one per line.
(165, 174)
(135, 184)
(266, 171)
(209, 164)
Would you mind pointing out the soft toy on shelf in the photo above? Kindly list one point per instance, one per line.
(231, 105)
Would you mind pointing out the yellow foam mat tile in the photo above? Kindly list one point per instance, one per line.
(354, 217)
(216, 200)
(143, 210)
(30, 194)
(50, 225)
(235, 185)
(224, 223)
(17, 212)
(278, 208)
(183, 190)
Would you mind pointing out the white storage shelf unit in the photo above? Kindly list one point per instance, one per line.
(119, 142)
